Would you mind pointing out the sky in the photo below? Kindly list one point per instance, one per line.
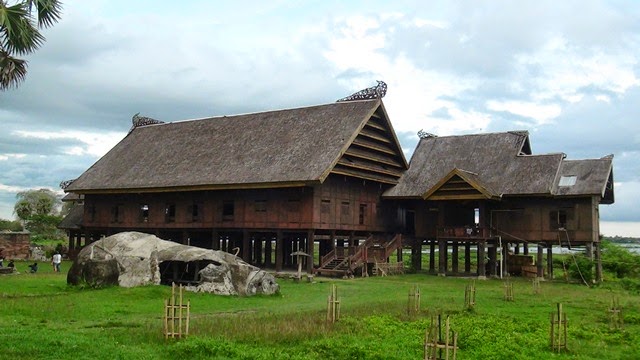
(566, 71)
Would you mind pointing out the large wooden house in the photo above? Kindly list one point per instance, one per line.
(332, 180)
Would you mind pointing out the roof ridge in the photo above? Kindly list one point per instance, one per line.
(513, 132)
(342, 103)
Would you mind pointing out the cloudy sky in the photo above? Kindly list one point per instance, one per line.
(566, 71)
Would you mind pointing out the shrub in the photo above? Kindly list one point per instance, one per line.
(620, 261)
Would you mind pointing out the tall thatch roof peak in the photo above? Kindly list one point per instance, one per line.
(291, 147)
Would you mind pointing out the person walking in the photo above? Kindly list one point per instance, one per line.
(55, 261)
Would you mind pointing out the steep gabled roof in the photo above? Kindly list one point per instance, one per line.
(586, 177)
(73, 220)
(291, 147)
(501, 162)
(460, 184)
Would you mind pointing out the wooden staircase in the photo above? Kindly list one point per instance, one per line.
(346, 261)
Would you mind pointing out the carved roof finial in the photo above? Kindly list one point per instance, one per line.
(138, 121)
(374, 92)
(423, 134)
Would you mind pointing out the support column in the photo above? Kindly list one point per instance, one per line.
(71, 243)
(493, 260)
(550, 261)
(505, 259)
(598, 261)
(525, 249)
(215, 240)
(310, 250)
(442, 255)
(257, 250)
(539, 261)
(246, 246)
(482, 273)
(589, 251)
(416, 254)
(78, 240)
(432, 256)
(454, 258)
(267, 251)
(467, 258)
(279, 250)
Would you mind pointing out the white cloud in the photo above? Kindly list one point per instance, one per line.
(12, 188)
(4, 157)
(95, 144)
(563, 70)
(542, 113)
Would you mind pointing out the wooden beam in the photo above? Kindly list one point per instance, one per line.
(363, 175)
(373, 146)
(375, 136)
(366, 155)
(368, 167)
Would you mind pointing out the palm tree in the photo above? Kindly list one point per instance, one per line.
(20, 35)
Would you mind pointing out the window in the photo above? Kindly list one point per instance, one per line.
(92, 213)
(293, 205)
(558, 219)
(196, 212)
(228, 209)
(144, 213)
(117, 213)
(345, 212)
(260, 205)
(325, 206)
(362, 214)
(568, 180)
(170, 213)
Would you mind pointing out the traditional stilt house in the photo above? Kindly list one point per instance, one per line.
(490, 194)
(332, 180)
(263, 185)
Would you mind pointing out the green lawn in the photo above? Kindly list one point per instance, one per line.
(43, 318)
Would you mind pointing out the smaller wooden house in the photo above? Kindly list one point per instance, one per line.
(489, 192)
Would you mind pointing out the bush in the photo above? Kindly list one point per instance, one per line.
(620, 261)
(581, 269)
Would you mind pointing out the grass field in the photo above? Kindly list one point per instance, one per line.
(43, 318)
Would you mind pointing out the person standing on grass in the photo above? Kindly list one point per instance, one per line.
(55, 261)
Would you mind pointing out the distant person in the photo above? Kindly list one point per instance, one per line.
(11, 264)
(1, 259)
(55, 261)
(33, 268)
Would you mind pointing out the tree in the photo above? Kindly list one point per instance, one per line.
(39, 211)
(9, 225)
(20, 35)
(36, 202)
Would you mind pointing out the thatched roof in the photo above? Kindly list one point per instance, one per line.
(490, 166)
(291, 147)
(73, 220)
(588, 177)
(72, 197)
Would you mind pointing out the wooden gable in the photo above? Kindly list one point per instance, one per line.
(459, 185)
(375, 153)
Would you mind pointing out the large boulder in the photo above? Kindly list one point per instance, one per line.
(131, 259)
